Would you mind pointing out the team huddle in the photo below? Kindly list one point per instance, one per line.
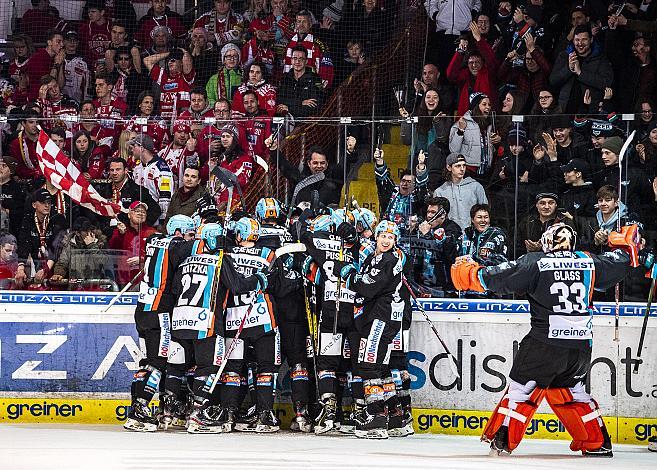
(222, 305)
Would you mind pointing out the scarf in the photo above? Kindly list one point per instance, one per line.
(612, 223)
(25, 151)
(228, 80)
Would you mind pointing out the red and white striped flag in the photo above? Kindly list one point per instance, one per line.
(62, 173)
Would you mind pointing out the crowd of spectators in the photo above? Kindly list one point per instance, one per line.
(148, 107)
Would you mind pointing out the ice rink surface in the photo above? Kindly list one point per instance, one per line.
(96, 447)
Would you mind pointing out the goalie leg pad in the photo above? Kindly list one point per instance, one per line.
(579, 414)
(514, 411)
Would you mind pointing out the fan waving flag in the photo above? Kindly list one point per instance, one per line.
(62, 173)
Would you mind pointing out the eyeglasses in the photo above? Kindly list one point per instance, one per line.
(222, 111)
(231, 56)
(544, 97)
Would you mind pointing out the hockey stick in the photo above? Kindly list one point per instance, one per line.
(284, 250)
(450, 356)
(338, 292)
(124, 290)
(228, 178)
(312, 332)
(304, 183)
(621, 156)
(644, 327)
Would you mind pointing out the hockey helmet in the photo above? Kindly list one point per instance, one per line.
(180, 222)
(323, 223)
(210, 234)
(559, 237)
(386, 226)
(247, 229)
(340, 215)
(365, 220)
(205, 206)
(267, 208)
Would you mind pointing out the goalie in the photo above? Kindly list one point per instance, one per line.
(554, 358)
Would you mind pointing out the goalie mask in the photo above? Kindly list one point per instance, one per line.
(559, 237)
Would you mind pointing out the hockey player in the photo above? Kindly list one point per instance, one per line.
(330, 249)
(378, 322)
(201, 283)
(554, 358)
(290, 316)
(365, 222)
(152, 318)
(260, 331)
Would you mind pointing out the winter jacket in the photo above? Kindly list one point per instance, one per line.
(81, 261)
(452, 16)
(186, 207)
(485, 81)
(462, 197)
(293, 92)
(470, 144)
(596, 76)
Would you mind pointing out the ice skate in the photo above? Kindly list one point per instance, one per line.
(652, 444)
(302, 421)
(204, 419)
(407, 423)
(396, 423)
(604, 450)
(140, 417)
(267, 422)
(173, 413)
(325, 421)
(499, 446)
(349, 424)
(372, 426)
(246, 421)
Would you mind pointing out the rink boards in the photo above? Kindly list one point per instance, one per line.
(63, 360)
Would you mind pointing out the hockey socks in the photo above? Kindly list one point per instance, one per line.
(373, 422)
(145, 383)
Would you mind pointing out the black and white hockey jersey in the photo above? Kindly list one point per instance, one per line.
(559, 287)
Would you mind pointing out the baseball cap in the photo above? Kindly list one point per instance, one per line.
(453, 158)
(143, 140)
(136, 204)
(576, 164)
(41, 195)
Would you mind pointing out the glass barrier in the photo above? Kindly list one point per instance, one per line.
(529, 171)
